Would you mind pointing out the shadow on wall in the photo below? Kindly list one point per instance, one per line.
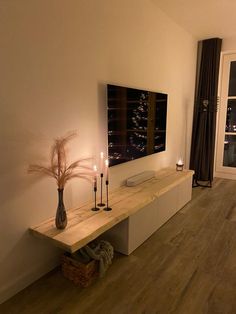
(21, 275)
(19, 146)
(25, 201)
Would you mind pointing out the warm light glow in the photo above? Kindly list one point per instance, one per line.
(95, 177)
(106, 164)
(180, 162)
(101, 162)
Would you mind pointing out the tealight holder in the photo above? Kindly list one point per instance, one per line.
(179, 167)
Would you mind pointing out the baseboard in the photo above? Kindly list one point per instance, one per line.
(225, 175)
(21, 282)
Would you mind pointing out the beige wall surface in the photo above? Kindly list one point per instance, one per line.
(229, 44)
(56, 58)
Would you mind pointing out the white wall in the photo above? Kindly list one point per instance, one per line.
(229, 44)
(56, 58)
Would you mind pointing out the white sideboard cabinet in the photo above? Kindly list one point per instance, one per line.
(171, 190)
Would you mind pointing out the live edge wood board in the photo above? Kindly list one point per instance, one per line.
(85, 225)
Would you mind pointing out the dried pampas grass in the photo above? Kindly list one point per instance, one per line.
(59, 169)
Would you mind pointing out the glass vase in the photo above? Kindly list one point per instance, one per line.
(61, 217)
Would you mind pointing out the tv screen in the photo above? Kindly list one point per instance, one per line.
(136, 123)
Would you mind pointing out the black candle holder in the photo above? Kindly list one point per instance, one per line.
(107, 208)
(95, 208)
(101, 204)
(179, 167)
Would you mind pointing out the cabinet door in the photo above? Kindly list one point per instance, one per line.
(185, 193)
(133, 231)
(166, 206)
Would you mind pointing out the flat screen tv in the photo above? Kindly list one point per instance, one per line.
(136, 123)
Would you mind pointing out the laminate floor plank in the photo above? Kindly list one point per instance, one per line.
(188, 266)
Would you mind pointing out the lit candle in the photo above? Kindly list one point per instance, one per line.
(180, 162)
(180, 165)
(106, 164)
(101, 162)
(95, 176)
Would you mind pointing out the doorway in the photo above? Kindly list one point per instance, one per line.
(226, 138)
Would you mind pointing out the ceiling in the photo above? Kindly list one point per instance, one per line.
(202, 18)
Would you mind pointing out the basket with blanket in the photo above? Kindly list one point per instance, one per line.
(91, 261)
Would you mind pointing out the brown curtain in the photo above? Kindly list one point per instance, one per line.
(205, 108)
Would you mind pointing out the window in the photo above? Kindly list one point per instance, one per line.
(226, 141)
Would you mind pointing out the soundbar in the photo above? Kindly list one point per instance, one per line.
(139, 178)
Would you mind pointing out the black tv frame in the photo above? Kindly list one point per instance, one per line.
(136, 123)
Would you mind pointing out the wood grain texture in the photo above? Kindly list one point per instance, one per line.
(85, 225)
(188, 266)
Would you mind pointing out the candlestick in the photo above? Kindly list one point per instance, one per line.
(107, 208)
(95, 208)
(101, 204)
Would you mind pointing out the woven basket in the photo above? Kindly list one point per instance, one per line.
(78, 272)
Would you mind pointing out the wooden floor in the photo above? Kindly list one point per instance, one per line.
(187, 266)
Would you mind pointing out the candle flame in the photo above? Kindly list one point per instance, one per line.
(180, 162)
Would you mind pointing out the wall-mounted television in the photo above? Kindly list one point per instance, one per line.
(136, 123)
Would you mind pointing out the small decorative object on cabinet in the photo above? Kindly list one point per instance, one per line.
(101, 204)
(95, 208)
(61, 217)
(180, 165)
(62, 172)
(107, 208)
